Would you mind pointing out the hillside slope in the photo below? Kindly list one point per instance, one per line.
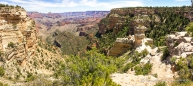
(23, 57)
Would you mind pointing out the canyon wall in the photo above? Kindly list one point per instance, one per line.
(139, 22)
(17, 34)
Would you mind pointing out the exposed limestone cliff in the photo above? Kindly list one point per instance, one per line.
(18, 30)
(22, 56)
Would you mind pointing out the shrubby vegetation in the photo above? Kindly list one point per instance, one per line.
(189, 28)
(170, 22)
(30, 77)
(184, 66)
(2, 71)
(68, 43)
(160, 83)
(143, 69)
(11, 45)
(6, 5)
(93, 69)
(135, 58)
(108, 39)
(165, 53)
(3, 84)
(165, 21)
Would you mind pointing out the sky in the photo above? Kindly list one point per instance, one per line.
(59, 6)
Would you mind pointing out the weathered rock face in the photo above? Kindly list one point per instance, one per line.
(180, 44)
(139, 35)
(121, 45)
(17, 34)
(118, 18)
(116, 22)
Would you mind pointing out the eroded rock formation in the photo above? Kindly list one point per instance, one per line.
(180, 44)
(17, 34)
(139, 35)
(121, 45)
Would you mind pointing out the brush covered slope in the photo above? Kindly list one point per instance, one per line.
(68, 42)
(22, 57)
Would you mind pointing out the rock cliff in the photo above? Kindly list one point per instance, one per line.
(119, 17)
(17, 34)
(22, 55)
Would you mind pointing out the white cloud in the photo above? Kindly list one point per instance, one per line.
(181, 0)
(39, 5)
(3, 2)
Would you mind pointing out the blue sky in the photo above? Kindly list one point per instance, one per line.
(56, 6)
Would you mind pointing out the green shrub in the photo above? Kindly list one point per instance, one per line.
(1, 84)
(11, 44)
(173, 59)
(189, 28)
(155, 75)
(2, 71)
(143, 70)
(165, 54)
(30, 77)
(127, 67)
(160, 83)
(182, 83)
(144, 53)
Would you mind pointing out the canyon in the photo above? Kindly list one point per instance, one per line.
(79, 22)
(126, 46)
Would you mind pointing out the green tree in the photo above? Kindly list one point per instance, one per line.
(189, 28)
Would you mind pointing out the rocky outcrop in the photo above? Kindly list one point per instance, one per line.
(180, 44)
(139, 35)
(17, 34)
(119, 17)
(22, 55)
(121, 45)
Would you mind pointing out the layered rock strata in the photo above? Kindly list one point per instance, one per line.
(17, 34)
